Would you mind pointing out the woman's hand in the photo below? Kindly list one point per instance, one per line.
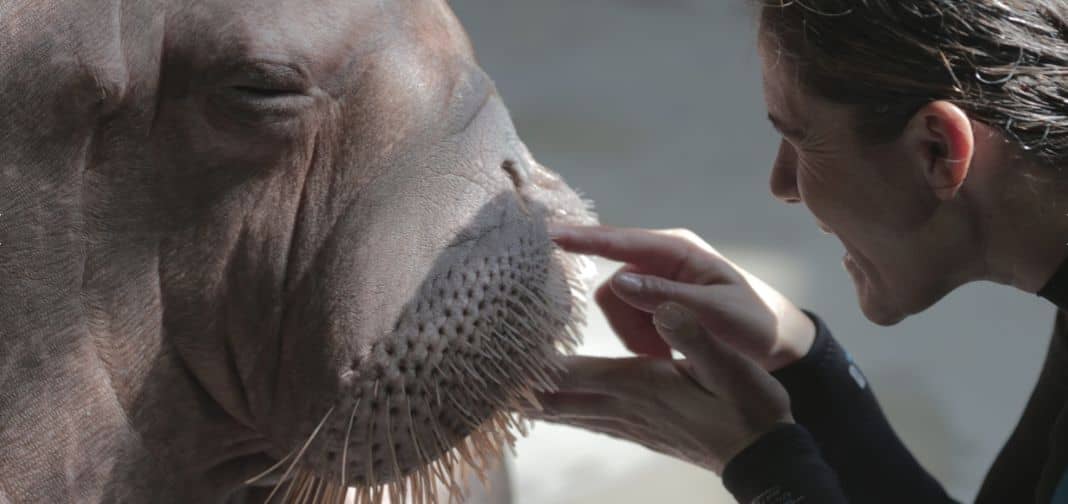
(677, 292)
(676, 265)
(704, 410)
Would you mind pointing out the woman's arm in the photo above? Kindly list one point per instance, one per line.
(844, 425)
(784, 465)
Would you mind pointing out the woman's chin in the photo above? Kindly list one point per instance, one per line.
(874, 302)
(880, 314)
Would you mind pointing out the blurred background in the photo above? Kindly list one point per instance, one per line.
(654, 110)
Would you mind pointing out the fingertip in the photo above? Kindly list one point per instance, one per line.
(671, 315)
(557, 232)
(646, 296)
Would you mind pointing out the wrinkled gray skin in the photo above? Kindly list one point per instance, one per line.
(211, 209)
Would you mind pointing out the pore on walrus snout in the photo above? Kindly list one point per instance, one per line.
(435, 401)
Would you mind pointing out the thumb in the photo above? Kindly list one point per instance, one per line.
(715, 365)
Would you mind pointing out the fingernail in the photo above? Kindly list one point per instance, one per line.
(670, 315)
(628, 281)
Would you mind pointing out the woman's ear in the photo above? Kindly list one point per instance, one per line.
(942, 141)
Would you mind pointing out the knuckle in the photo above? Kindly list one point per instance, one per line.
(660, 374)
(612, 371)
(645, 381)
(692, 240)
(685, 234)
(645, 371)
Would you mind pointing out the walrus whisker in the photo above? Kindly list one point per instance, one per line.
(529, 395)
(490, 350)
(377, 492)
(461, 449)
(513, 421)
(411, 432)
(300, 453)
(471, 373)
(345, 447)
(497, 371)
(306, 486)
(481, 393)
(296, 482)
(393, 493)
(318, 490)
(389, 440)
(465, 415)
(446, 463)
(369, 463)
(439, 468)
(302, 484)
(270, 469)
(476, 450)
(509, 338)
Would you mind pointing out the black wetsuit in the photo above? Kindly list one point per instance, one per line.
(842, 450)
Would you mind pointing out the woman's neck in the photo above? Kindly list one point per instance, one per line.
(1027, 227)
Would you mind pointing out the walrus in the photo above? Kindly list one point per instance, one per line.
(288, 243)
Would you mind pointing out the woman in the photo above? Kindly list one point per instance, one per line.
(929, 136)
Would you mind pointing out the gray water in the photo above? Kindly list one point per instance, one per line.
(653, 109)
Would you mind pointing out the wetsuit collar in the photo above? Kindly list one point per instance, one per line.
(1056, 289)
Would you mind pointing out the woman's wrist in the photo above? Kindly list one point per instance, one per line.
(752, 440)
(797, 332)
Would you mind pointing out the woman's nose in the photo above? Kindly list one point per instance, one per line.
(784, 174)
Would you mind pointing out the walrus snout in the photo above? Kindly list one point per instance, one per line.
(481, 333)
(435, 395)
(431, 302)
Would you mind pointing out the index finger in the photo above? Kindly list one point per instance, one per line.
(621, 376)
(657, 253)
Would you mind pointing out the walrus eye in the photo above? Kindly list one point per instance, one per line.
(264, 92)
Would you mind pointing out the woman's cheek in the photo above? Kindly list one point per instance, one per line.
(816, 187)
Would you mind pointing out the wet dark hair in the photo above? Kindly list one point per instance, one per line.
(1005, 62)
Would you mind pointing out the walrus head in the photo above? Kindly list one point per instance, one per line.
(287, 237)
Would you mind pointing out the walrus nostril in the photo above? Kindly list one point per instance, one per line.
(517, 172)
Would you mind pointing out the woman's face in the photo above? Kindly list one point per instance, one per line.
(904, 249)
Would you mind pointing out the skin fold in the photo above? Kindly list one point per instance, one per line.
(224, 224)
